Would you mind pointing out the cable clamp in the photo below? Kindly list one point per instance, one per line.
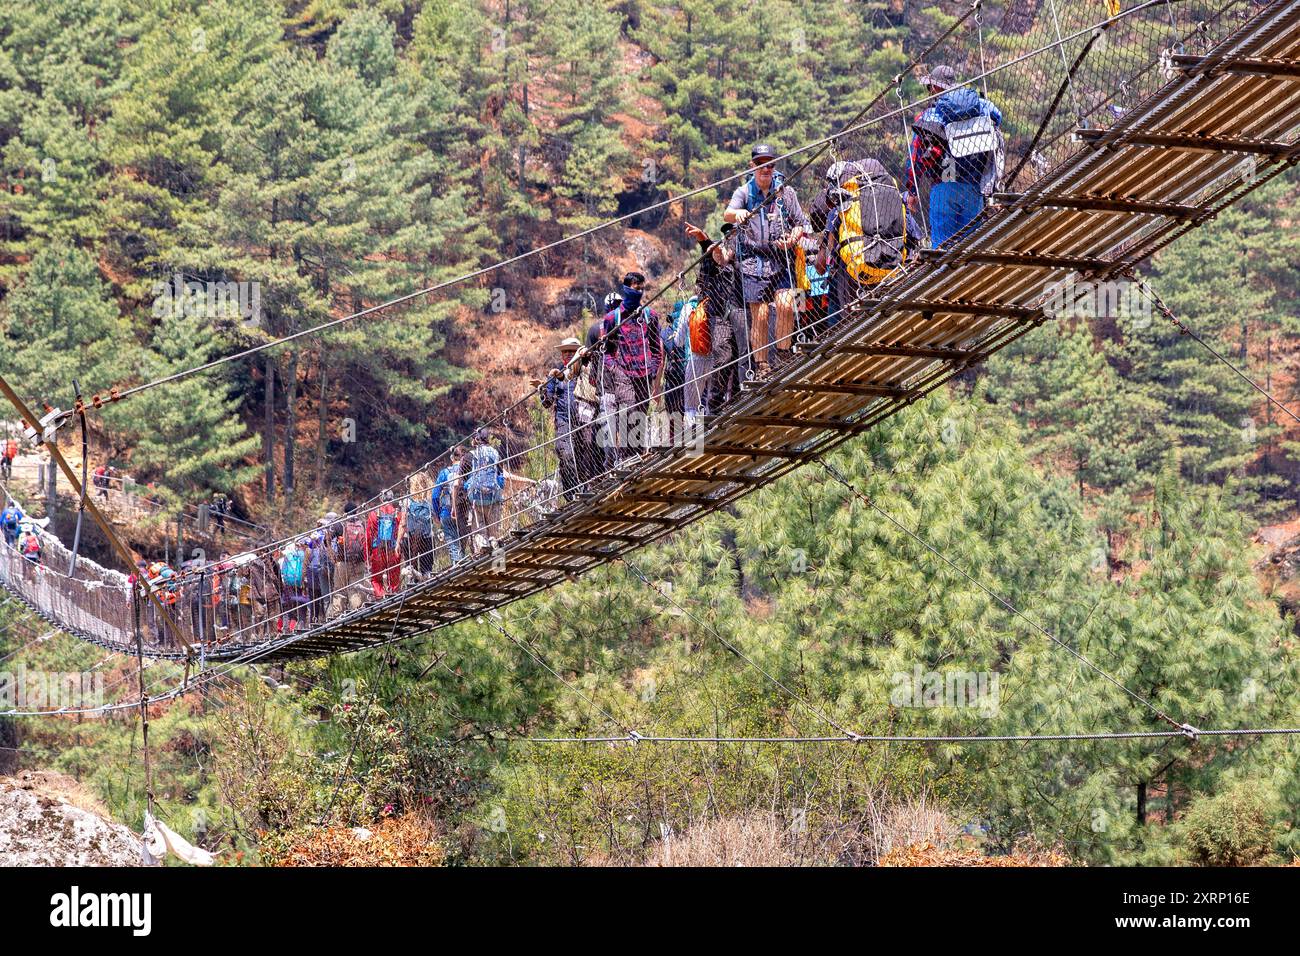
(633, 736)
(49, 427)
(1190, 732)
(856, 738)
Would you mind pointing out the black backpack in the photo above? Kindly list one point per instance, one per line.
(872, 234)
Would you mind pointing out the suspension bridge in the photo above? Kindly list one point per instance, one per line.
(1135, 150)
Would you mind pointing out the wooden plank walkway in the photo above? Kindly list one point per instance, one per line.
(1166, 167)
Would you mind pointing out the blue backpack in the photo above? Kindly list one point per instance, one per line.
(385, 530)
(674, 354)
(483, 486)
(10, 518)
(418, 518)
(442, 490)
(819, 283)
(291, 568)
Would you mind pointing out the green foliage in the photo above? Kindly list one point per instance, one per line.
(194, 442)
(60, 324)
(1232, 828)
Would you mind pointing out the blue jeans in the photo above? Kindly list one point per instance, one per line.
(452, 534)
(953, 206)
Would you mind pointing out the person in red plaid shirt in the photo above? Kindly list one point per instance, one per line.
(634, 359)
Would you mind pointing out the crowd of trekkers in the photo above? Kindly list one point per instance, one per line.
(780, 272)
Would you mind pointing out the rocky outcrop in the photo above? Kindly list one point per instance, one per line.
(39, 829)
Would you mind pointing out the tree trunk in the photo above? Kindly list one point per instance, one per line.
(321, 417)
(291, 421)
(268, 428)
(1142, 804)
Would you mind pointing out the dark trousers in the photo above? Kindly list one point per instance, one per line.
(730, 357)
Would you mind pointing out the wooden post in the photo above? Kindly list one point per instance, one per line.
(104, 525)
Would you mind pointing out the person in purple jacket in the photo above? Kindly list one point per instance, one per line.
(634, 359)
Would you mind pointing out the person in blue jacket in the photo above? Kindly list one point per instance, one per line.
(956, 155)
(445, 504)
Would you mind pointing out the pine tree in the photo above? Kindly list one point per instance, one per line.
(191, 439)
(61, 324)
(164, 136)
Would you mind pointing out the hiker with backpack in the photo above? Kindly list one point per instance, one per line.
(293, 587)
(869, 233)
(11, 522)
(349, 546)
(416, 530)
(382, 557)
(634, 358)
(165, 583)
(320, 568)
(10, 452)
(446, 498)
(956, 156)
(29, 545)
(718, 323)
(771, 223)
(586, 416)
(484, 480)
(559, 394)
(676, 352)
(821, 310)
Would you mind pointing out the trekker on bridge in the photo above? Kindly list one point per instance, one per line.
(772, 222)
(956, 154)
(29, 545)
(293, 587)
(719, 288)
(163, 581)
(447, 499)
(11, 521)
(382, 556)
(320, 567)
(483, 484)
(586, 414)
(10, 452)
(350, 560)
(869, 234)
(634, 357)
(415, 535)
(559, 395)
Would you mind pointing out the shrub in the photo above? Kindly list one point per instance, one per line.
(1232, 828)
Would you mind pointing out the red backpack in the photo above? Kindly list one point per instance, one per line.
(354, 540)
(11, 449)
(32, 545)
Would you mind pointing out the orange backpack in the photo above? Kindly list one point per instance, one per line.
(701, 334)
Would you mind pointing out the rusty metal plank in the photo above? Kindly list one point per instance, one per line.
(1184, 141)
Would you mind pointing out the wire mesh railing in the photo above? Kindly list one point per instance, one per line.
(1028, 86)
